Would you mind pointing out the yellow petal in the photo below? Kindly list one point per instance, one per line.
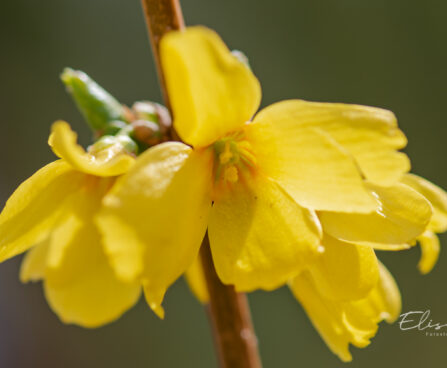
(109, 163)
(210, 90)
(155, 217)
(384, 301)
(80, 208)
(154, 296)
(435, 195)
(84, 289)
(32, 209)
(64, 231)
(341, 323)
(369, 134)
(330, 318)
(403, 215)
(34, 263)
(196, 281)
(51, 251)
(260, 237)
(430, 249)
(80, 285)
(308, 164)
(345, 271)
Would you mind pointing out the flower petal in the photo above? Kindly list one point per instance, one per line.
(308, 164)
(369, 134)
(80, 208)
(32, 209)
(155, 217)
(196, 281)
(111, 163)
(51, 252)
(430, 249)
(34, 263)
(260, 237)
(345, 271)
(403, 215)
(329, 318)
(84, 289)
(211, 91)
(341, 323)
(80, 285)
(384, 300)
(435, 195)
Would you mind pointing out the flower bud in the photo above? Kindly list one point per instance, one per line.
(147, 132)
(153, 112)
(97, 106)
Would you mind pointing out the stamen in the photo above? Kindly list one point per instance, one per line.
(234, 156)
(226, 155)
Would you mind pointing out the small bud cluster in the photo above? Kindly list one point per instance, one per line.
(133, 129)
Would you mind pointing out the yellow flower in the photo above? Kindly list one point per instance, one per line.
(259, 184)
(53, 212)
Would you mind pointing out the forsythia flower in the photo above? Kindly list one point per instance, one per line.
(301, 193)
(263, 186)
(53, 211)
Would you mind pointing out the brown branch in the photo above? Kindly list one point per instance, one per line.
(162, 16)
(229, 312)
(234, 336)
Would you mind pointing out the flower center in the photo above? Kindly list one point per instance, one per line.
(234, 158)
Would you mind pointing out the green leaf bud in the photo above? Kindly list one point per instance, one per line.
(97, 106)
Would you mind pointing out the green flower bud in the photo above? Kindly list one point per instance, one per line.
(97, 106)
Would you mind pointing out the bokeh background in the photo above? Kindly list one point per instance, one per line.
(376, 52)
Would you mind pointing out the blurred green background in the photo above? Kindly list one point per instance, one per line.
(388, 53)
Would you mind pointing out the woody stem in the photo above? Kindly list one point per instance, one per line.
(229, 312)
(234, 336)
